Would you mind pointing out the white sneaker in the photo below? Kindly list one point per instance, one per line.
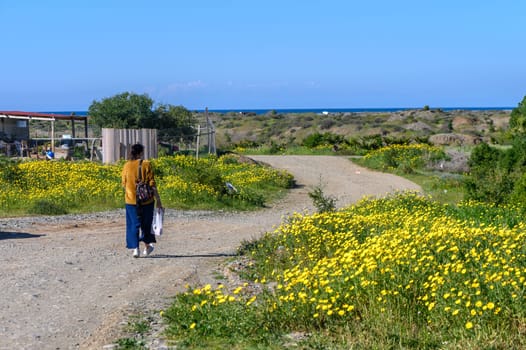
(136, 253)
(148, 250)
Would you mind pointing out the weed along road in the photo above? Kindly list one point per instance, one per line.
(69, 283)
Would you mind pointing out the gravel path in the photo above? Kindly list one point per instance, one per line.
(69, 282)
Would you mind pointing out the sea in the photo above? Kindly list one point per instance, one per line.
(316, 110)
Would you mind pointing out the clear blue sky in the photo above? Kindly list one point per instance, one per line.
(61, 55)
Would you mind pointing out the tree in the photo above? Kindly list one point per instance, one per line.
(518, 118)
(122, 111)
(133, 111)
(174, 123)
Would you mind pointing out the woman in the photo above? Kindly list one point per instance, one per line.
(139, 218)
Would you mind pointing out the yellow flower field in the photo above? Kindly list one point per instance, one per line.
(182, 182)
(394, 265)
(67, 183)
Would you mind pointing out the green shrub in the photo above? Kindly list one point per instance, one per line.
(326, 139)
(518, 193)
(313, 140)
(130, 344)
(403, 158)
(327, 124)
(9, 171)
(45, 207)
(496, 176)
(371, 142)
(275, 148)
(518, 118)
(322, 202)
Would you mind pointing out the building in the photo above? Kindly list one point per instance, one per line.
(15, 126)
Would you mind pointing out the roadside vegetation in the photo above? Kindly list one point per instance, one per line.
(60, 187)
(437, 277)
(419, 163)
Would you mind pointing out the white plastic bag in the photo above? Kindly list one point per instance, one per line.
(157, 224)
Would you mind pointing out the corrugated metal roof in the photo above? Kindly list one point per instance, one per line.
(30, 115)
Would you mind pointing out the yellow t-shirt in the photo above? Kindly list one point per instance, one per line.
(129, 178)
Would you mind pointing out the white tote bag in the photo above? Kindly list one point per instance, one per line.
(157, 224)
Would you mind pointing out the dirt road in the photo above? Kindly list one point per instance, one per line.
(69, 282)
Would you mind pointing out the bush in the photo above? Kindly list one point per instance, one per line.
(518, 118)
(45, 207)
(313, 140)
(403, 158)
(371, 142)
(327, 124)
(497, 176)
(275, 148)
(326, 139)
(322, 202)
(203, 174)
(9, 171)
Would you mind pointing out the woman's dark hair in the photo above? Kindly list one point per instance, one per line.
(136, 150)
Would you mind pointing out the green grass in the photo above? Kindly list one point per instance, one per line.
(442, 187)
(287, 150)
(137, 327)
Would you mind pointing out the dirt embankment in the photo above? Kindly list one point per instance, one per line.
(69, 282)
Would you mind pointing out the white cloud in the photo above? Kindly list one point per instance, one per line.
(166, 93)
(268, 85)
(185, 86)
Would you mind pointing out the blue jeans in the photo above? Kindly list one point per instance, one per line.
(139, 225)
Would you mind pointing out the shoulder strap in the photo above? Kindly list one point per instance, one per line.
(139, 175)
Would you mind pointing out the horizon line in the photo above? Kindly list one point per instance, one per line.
(319, 109)
(310, 108)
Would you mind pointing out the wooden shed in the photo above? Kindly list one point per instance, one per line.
(15, 125)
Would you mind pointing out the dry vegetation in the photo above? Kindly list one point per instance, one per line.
(459, 127)
(441, 127)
